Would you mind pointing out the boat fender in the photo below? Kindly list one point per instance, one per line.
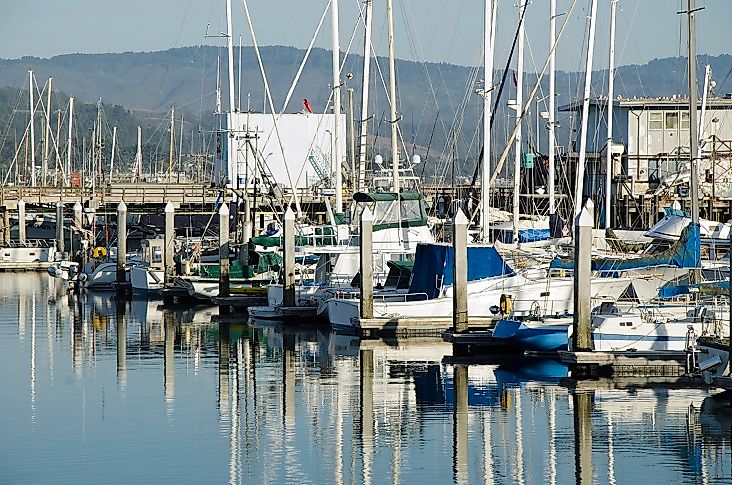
(505, 304)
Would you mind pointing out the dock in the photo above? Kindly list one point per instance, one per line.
(627, 363)
(415, 327)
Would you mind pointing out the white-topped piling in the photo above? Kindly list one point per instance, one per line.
(60, 245)
(169, 242)
(121, 241)
(21, 222)
(288, 259)
(583, 223)
(460, 272)
(224, 279)
(366, 254)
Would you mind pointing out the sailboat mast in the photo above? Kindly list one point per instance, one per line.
(579, 187)
(368, 19)
(610, 95)
(138, 157)
(230, 52)
(336, 108)
(68, 141)
(32, 130)
(489, 35)
(552, 103)
(693, 127)
(114, 147)
(47, 138)
(172, 142)
(392, 98)
(519, 110)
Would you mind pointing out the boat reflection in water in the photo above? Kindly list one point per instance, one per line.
(155, 395)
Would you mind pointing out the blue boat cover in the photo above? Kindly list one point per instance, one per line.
(684, 253)
(525, 235)
(720, 287)
(433, 267)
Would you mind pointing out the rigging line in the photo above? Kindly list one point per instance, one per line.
(508, 147)
(420, 57)
(502, 85)
(10, 120)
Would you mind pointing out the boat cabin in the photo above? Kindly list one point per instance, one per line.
(153, 253)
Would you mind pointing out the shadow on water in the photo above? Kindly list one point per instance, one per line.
(251, 404)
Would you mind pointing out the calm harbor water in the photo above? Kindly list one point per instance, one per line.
(95, 390)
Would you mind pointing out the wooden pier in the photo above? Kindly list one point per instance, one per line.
(415, 327)
(625, 363)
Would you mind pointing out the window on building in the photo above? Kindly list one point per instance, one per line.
(655, 120)
(684, 120)
(672, 120)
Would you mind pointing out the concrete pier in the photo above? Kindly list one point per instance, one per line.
(224, 280)
(366, 254)
(121, 241)
(288, 259)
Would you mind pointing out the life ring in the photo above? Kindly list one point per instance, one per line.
(99, 252)
(505, 304)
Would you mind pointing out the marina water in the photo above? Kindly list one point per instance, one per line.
(96, 389)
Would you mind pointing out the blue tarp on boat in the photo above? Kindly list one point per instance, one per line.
(433, 267)
(720, 287)
(685, 253)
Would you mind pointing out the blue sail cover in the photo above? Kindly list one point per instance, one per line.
(685, 253)
(433, 267)
(720, 287)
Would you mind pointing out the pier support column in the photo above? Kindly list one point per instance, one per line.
(460, 272)
(5, 227)
(288, 259)
(21, 223)
(169, 243)
(60, 244)
(224, 281)
(582, 410)
(582, 339)
(366, 253)
(121, 241)
(121, 344)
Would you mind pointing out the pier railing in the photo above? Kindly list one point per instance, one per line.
(141, 193)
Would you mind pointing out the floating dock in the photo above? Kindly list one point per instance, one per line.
(625, 363)
(415, 327)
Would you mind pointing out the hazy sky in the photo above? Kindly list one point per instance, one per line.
(435, 30)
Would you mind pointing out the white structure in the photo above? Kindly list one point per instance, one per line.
(299, 157)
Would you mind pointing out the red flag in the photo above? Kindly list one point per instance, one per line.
(306, 103)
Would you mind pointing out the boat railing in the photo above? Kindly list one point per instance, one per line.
(31, 243)
(390, 297)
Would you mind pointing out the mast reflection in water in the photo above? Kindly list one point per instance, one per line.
(99, 389)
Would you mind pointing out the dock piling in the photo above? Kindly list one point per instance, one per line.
(460, 272)
(366, 255)
(78, 227)
(60, 229)
(224, 281)
(582, 407)
(288, 256)
(583, 224)
(121, 241)
(169, 242)
(21, 222)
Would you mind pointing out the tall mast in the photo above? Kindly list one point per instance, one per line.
(172, 141)
(489, 35)
(138, 157)
(519, 110)
(238, 97)
(336, 108)
(230, 51)
(47, 138)
(114, 147)
(368, 16)
(610, 95)
(392, 97)
(68, 140)
(693, 127)
(32, 131)
(579, 187)
(552, 102)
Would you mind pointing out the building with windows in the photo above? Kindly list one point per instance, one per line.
(651, 145)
